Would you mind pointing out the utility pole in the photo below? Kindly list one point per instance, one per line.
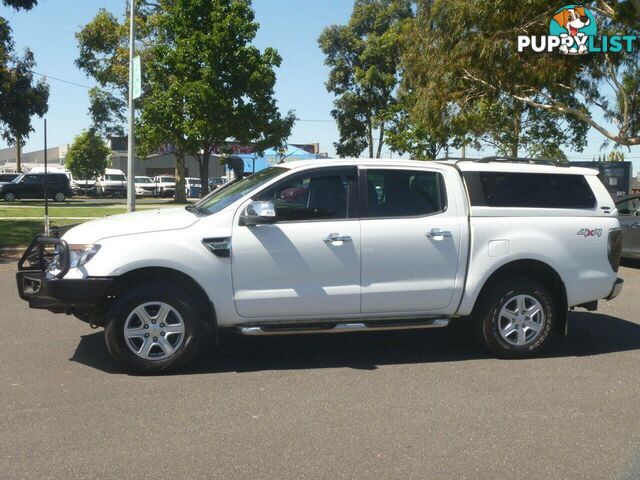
(18, 155)
(131, 192)
(46, 184)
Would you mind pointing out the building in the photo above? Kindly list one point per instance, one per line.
(616, 176)
(55, 156)
(162, 162)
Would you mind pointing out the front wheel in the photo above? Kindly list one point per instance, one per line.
(9, 197)
(515, 318)
(154, 329)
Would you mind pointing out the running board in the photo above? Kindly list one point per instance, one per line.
(258, 330)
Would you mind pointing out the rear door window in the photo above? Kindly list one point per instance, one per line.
(404, 193)
(529, 190)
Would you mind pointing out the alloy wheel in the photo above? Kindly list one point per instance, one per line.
(521, 320)
(154, 330)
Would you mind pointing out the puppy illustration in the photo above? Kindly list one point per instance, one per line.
(573, 20)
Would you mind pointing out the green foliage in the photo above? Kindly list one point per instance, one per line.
(615, 156)
(21, 4)
(204, 83)
(21, 97)
(364, 60)
(464, 54)
(88, 156)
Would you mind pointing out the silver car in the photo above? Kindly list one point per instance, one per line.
(629, 214)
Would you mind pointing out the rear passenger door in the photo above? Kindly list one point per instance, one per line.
(410, 242)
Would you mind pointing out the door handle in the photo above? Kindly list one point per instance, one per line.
(336, 237)
(438, 233)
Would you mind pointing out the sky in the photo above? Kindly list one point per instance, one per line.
(290, 26)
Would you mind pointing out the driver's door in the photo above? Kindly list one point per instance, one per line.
(308, 263)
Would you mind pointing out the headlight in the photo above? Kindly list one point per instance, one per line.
(80, 254)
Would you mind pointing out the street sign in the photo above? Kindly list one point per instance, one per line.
(137, 77)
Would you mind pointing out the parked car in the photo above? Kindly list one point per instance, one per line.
(629, 214)
(85, 187)
(165, 186)
(145, 186)
(8, 177)
(31, 186)
(192, 187)
(215, 182)
(112, 184)
(513, 246)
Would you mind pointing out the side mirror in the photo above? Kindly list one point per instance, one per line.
(258, 213)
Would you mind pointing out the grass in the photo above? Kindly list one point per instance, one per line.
(20, 232)
(93, 210)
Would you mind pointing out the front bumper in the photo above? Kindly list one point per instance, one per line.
(59, 295)
(617, 288)
(54, 292)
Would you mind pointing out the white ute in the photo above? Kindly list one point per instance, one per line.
(340, 245)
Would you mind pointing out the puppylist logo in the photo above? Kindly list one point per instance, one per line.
(573, 31)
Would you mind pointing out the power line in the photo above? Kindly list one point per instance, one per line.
(61, 80)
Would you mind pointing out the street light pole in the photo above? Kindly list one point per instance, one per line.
(131, 193)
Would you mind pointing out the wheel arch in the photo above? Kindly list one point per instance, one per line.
(171, 275)
(538, 271)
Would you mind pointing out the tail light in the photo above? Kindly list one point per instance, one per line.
(614, 248)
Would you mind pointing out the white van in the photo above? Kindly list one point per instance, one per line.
(112, 184)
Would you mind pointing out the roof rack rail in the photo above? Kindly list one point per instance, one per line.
(533, 161)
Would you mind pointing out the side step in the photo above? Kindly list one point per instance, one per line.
(257, 330)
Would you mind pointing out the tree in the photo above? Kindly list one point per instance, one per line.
(463, 52)
(206, 84)
(87, 156)
(21, 97)
(615, 156)
(364, 60)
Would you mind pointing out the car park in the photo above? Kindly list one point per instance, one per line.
(32, 186)
(372, 245)
(629, 214)
(145, 186)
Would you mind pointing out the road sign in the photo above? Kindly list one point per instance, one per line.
(137, 77)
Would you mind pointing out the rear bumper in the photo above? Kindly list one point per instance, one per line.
(617, 288)
(60, 295)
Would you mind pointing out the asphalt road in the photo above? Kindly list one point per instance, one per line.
(426, 405)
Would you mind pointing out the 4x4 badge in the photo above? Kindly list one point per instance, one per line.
(586, 232)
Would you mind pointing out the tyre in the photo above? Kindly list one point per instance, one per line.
(155, 328)
(9, 197)
(515, 318)
(59, 197)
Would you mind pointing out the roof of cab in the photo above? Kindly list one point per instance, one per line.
(462, 165)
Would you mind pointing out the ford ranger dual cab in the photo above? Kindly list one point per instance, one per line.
(362, 245)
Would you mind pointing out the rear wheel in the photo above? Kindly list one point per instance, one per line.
(515, 317)
(9, 197)
(59, 197)
(155, 329)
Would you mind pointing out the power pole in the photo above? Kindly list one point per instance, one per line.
(131, 192)
(18, 155)
(46, 184)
